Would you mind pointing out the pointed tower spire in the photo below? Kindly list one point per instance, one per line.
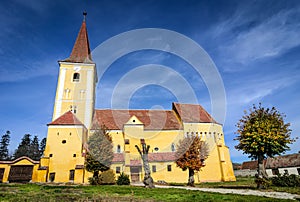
(81, 52)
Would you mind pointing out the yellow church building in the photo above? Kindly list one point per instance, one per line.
(75, 118)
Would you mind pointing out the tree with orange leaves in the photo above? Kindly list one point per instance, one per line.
(190, 154)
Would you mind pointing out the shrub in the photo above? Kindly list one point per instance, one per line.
(286, 180)
(262, 182)
(123, 179)
(107, 177)
(93, 180)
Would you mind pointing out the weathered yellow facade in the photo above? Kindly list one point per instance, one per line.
(75, 118)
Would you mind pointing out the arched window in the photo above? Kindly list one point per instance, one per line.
(173, 147)
(76, 77)
(118, 149)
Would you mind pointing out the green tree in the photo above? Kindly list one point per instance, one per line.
(42, 146)
(4, 143)
(34, 149)
(100, 152)
(191, 153)
(262, 133)
(24, 147)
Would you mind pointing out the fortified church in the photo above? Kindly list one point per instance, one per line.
(75, 118)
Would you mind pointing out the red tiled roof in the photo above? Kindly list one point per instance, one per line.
(162, 157)
(118, 157)
(152, 119)
(135, 163)
(192, 113)
(67, 118)
(19, 159)
(81, 52)
(252, 165)
(291, 160)
(152, 157)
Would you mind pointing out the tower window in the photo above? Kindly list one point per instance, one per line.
(73, 108)
(118, 149)
(169, 168)
(173, 147)
(76, 77)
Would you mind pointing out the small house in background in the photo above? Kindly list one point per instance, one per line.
(248, 168)
(287, 164)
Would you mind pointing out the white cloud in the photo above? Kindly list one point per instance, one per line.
(247, 38)
(20, 72)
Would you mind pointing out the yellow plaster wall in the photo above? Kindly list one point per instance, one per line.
(62, 160)
(6, 171)
(75, 97)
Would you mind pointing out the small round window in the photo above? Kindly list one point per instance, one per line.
(64, 141)
(156, 149)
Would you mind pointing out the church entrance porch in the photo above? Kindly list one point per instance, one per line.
(135, 173)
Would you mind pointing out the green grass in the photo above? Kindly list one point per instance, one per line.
(34, 192)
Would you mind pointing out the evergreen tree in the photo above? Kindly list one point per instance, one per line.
(34, 149)
(263, 133)
(42, 146)
(24, 147)
(190, 154)
(100, 152)
(4, 155)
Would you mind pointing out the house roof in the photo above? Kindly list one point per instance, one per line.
(81, 52)
(252, 165)
(114, 119)
(162, 157)
(291, 160)
(192, 113)
(67, 118)
(20, 159)
(152, 157)
(118, 157)
(152, 119)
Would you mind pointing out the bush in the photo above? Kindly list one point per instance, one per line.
(93, 180)
(262, 183)
(123, 179)
(286, 180)
(107, 177)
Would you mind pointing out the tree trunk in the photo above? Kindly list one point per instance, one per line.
(148, 180)
(96, 174)
(191, 181)
(261, 172)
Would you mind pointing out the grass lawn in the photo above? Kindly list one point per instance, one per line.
(34, 192)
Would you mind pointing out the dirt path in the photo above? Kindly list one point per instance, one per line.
(279, 195)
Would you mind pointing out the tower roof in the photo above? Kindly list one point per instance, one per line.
(81, 52)
(67, 118)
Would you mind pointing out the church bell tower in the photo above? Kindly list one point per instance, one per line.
(77, 81)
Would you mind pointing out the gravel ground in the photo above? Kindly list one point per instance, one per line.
(279, 195)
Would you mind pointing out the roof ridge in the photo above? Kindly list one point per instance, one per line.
(67, 118)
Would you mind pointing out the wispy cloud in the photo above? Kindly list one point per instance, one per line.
(25, 71)
(250, 38)
(256, 88)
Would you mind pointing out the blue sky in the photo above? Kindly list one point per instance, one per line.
(255, 46)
